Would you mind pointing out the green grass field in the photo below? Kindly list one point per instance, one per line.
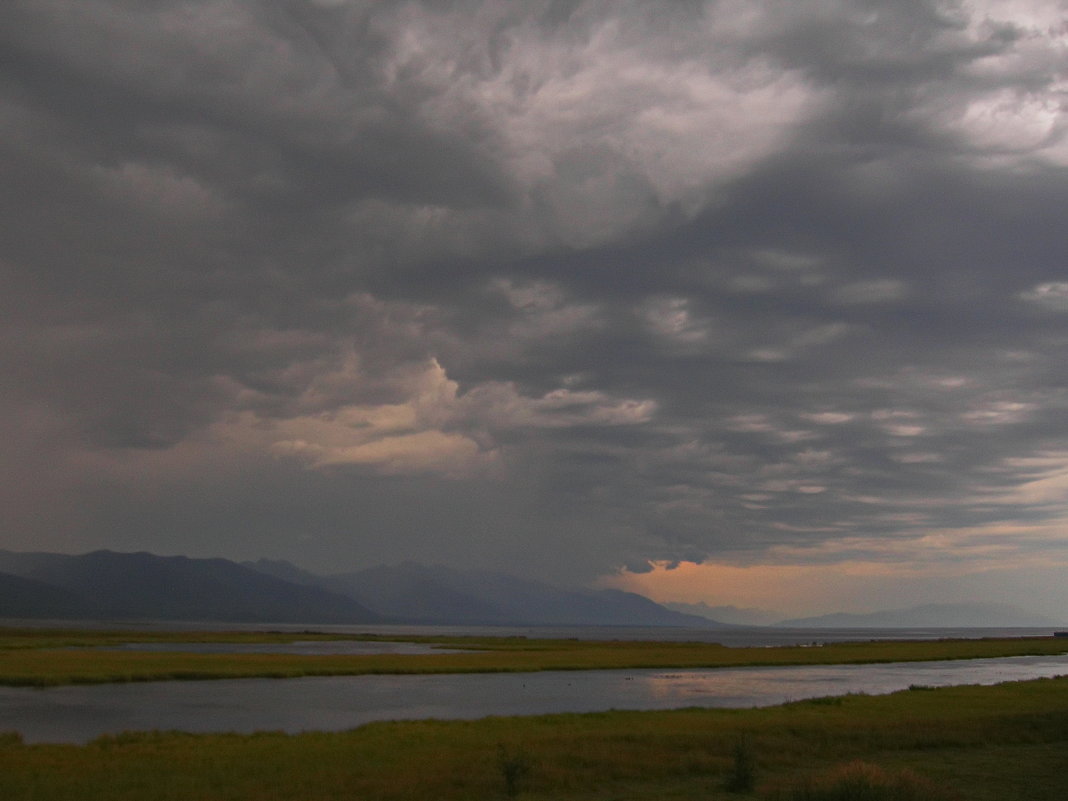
(977, 743)
(37, 657)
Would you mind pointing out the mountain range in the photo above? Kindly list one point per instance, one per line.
(435, 595)
(109, 585)
(735, 615)
(105, 585)
(114, 586)
(958, 615)
(983, 615)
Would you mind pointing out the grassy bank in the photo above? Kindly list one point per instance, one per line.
(979, 743)
(47, 658)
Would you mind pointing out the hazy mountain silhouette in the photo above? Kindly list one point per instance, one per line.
(24, 597)
(105, 584)
(929, 616)
(406, 593)
(420, 594)
(735, 615)
(110, 585)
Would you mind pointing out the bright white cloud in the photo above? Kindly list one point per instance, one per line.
(596, 121)
(1011, 109)
(399, 454)
(1043, 481)
(672, 320)
(432, 429)
(1000, 412)
(392, 438)
(1052, 295)
(500, 406)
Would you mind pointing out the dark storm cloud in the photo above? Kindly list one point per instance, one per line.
(577, 284)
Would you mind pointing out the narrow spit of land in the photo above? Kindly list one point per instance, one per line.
(48, 657)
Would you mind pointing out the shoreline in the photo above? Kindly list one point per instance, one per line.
(49, 657)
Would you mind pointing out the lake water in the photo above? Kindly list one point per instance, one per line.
(80, 713)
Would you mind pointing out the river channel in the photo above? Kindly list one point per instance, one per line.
(77, 714)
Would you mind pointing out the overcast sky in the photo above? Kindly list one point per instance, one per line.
(759, 301)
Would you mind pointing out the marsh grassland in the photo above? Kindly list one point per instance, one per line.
(978, 743)
(35, 657)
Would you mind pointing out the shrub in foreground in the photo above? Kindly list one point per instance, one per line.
(514, 765)
(742, 777)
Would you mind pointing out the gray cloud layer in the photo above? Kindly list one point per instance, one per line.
(564, 285)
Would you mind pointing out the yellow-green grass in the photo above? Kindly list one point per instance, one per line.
(22, 637)
(980, 743)
(72, 661)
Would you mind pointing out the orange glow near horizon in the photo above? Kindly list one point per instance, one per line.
(993, 563)
(795, 590)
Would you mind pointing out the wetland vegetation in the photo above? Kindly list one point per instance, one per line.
(995, 743)
(980, 743)
(42, 657)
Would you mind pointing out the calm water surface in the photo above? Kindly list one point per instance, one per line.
(78, 714)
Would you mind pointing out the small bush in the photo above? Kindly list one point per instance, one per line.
(514, 765)
(742, 778)
(859, 781)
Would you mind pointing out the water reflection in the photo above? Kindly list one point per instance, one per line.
(78, 714)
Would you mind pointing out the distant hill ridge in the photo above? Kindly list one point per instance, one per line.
(121, 586)
(26, 597)
(437, 595)
(981, 615)
(110, 585)
(105, 585)
(737, 616)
